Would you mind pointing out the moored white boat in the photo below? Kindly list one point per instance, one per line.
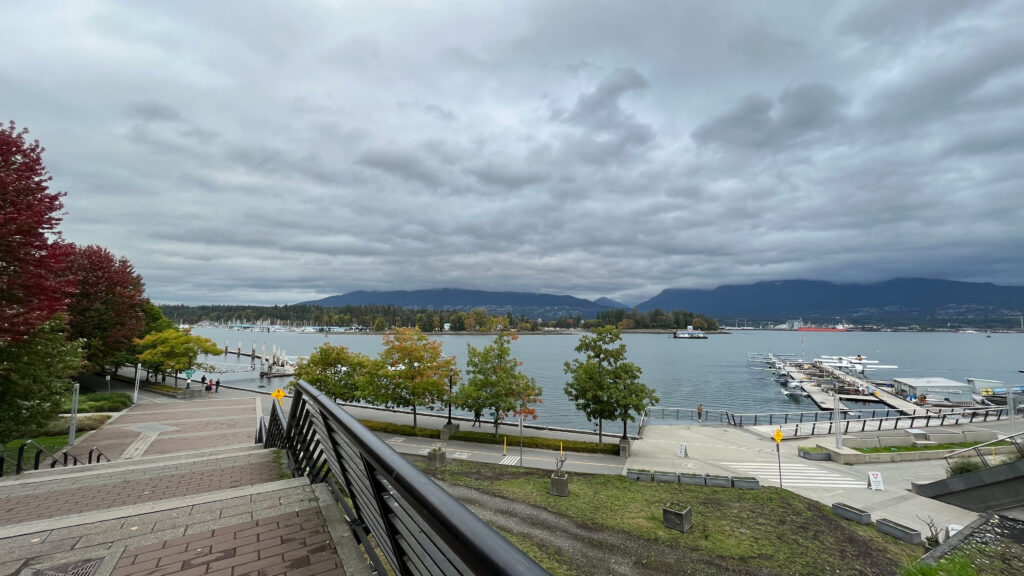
(690, 334)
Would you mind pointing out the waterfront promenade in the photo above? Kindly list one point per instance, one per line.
(190, 492)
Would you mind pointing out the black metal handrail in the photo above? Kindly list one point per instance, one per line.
(892, 422)
(1016, 440)
(62, 458)
(418, 527)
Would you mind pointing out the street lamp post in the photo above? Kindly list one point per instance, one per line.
(451, 377)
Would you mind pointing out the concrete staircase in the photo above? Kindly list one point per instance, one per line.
(226, 511)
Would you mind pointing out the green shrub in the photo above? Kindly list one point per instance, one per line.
(963, 466)
(489, 438)
(100, 402)
(84, 423)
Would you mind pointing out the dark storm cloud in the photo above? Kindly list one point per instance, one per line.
(271, 153)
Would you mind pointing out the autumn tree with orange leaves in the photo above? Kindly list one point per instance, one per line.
(411, 372)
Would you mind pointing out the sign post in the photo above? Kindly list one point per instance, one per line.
(138, 375)
(778, 451)
(74, 414)
(875, 481)
(520, 441)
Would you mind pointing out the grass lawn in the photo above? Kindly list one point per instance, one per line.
(950, 446)
(766, 531)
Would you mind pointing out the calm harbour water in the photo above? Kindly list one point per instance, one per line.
(714, 372)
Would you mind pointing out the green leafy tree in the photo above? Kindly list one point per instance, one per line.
(604, 385)
(153, 319)
(35, 378)
(336, 371)
(173, 351)
(496, 383)
(410, 372)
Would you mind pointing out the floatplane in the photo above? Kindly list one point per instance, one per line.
(858, 363)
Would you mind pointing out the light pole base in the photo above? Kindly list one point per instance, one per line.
(447, 430)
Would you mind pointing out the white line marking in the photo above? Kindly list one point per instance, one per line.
(510, 460)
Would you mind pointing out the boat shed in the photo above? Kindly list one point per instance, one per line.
(934, 390)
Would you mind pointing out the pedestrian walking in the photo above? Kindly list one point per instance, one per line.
(700, 412)
(204, 380)
(216, 387)
(188, 383)
(476, 416)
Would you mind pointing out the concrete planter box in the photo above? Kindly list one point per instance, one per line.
(436, 459)
(447, 430)
(852, 442)
(851, 513)
(746, 483)
(813, 455)
(945, 437)
(670, 477)
(640, 475)
(979, 436)
(624, 448)
(906, 440)
(677, 517)
(905, 533)
(182, 394)
(692, 479)
(720, 481)
(559, 485)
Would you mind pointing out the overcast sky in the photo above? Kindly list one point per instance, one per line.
(275, 152)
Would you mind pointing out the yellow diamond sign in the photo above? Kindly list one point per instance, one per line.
(278, 394)
(778, 435)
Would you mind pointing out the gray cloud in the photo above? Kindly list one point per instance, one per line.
(277, 154)
(757, 121)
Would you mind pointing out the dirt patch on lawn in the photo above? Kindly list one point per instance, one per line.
(588, 550)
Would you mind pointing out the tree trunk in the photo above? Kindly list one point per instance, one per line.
(600, 431)
(413, 416)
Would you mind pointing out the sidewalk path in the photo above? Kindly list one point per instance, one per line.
(731, 451)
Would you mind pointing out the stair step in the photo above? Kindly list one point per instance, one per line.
(277, 526)
(138, 463)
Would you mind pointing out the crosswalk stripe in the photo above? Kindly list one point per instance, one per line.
(796, 475)
(510, 460)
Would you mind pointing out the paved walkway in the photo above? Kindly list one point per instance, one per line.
(746, 452)
(189, 494)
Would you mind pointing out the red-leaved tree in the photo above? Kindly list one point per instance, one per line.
(107, 308)
(32, 254)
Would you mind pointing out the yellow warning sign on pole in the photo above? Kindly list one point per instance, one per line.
(778, 435)
(278, 395)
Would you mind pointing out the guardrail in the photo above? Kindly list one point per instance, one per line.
(666, 413)
(772, 418)
(62, 458)
(417, 526)
(1017, 440)
(894, 423)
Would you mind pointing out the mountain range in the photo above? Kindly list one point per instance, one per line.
(899, 300)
